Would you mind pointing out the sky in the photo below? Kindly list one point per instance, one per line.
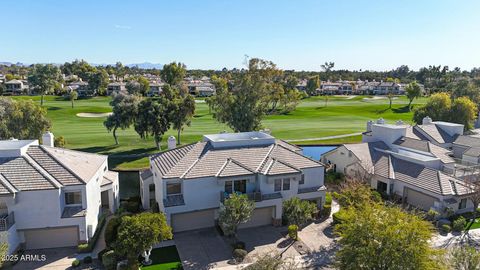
(295, 34)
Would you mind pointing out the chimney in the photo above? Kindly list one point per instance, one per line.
(172, 142)
(369, 125)
(48, 139)
(380, 121)
(426, 120)
(399, 123)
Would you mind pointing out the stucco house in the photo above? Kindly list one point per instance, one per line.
(116, 87)
(16, 87)
(52, 197)
(190, 182)
(400, 164)
(467, 149)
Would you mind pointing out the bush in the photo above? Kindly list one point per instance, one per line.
(432, 215)
(87, 260)
(459, 224)
(239, 245)
(111, 231)
(334, 178)
(293, 232)
(75, 263)
(239, 254)
(341, 216)
(377, 197)
(326, 210)
(131, 206)
(445, 228)
(109, 261)
(83, 248)
(59, 142)
(328, 198)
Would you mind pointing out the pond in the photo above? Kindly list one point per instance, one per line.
(316, 151)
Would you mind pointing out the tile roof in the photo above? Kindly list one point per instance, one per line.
(109, 177)
(436, 133)
(202, 160)
(276, 167)
(426, 146)
(22, 175)
(366, 152)
(467, 140)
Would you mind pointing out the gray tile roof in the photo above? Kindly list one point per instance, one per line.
(23, 175)
(467, 140)
(366, 152)
(276, 167)
(201, 160)
(413, 144)
(109, 177)
(436, 133)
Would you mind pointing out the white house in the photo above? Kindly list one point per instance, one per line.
(190, 182)
(52, 197)
(15, 87)
(401, 164)
(116, 87)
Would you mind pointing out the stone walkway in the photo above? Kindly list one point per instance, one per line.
(456, 239)
(101, 245)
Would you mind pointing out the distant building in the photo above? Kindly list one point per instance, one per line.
(156, 88)
(81, 88)
(16, 87)
(116, 87)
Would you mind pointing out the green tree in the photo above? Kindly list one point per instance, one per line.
(464, 112)
(98, 81)
(298, 212)
(43, 79)
(235, 210)
(465, 88)
(465, 258)
(313, 84)
(182, 115)
(153, 119)
(381, 237)
(139, 233)
(125, 108)
(173, 73)
(413, 91)
(144, 85)
(22, 119)
(73, 96)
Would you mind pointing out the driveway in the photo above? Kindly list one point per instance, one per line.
(51, 259)
(202, 249)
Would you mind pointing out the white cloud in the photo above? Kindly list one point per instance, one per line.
(125, 27)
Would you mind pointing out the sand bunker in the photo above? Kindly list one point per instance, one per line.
(93, 115)
(377, 97)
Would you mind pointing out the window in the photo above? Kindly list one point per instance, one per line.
(302, 180)
(174, 188)
(72, 198)
(463, 204)
(278, 185)
(286, 184)
(236, 186)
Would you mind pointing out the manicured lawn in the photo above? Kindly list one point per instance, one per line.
(165, 258)
(475, 225)
(311, 120)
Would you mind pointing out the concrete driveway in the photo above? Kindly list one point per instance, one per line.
(202, 249)
(51, 259)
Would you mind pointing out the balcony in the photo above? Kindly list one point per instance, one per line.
(173, 200)
(6, 221)
(254, 196)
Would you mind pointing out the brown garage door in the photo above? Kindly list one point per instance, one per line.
(260, 217)
(51, 238)
(419, 199)
(193, 220)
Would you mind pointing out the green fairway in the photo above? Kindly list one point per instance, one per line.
(311, 119)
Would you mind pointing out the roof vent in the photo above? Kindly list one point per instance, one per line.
(399, 123)
(381, 121)
(427, 120)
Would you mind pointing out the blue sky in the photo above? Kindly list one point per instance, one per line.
(301, 35)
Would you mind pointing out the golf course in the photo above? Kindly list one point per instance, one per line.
(311, 123)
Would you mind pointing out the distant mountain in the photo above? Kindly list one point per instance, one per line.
(10, 63)
(146, 65)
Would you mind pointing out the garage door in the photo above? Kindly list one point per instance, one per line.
(193, 220)
(419, 200)
(260, 217)
(51, 238)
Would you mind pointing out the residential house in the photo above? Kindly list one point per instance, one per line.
(116, 87)
(467, 149)
(400, 163)
(200, 88)
(16, 87)
(190, 182)
(52, 197)
(82, 88)
(156, 88)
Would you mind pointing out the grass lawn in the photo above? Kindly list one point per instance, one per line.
(165, 258)
(475, 225)
(311, 119)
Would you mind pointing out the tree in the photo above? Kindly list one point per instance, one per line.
(327, 68)
(313, 84)
(413, 91)
(73, 96)
(390, 97)
(183, 113)
(139, 233)
(98, 81)
(463, 111)
(298, 211)
(235, 210)
(22, 119)
(472, 186)
(153, 119)
(173, 73)
(125, 109)
(43, 79)
(465, 88)
(465, 258)
(381, 237)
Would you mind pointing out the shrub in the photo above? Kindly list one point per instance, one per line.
(334, 178)
(83, 248)
(293, 232)
(445, 228)
(341, 216)
(111, 231)
(239, 254)
(328, 198)
(75, 263)
(432, 215)
(87, 260)
(59, 142)
(326, 210)
(109, 261)
(459, 224)
(131, 206)
(239, 245)
(377, 197)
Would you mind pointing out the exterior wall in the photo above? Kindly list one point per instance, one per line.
(388, 133)
(145, 192)
(469, 159)
(340, 157)
(458, 150)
